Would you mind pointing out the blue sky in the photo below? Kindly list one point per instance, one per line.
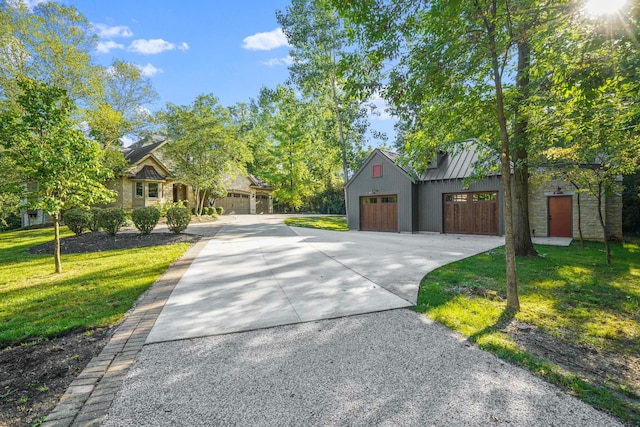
(227, 48)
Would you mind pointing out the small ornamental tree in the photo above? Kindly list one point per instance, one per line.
(145, 219)
(40, 137)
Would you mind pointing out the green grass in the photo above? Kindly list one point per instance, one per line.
(335, 223)
(569, 293)
(94, 289)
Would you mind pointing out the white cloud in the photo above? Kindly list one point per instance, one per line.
(154, 46)
(149, 70)
(265, 41)
(106, 47)
(107, 31)
(287, 60)
(381, 107)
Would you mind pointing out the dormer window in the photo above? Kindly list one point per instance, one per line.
(376, 171)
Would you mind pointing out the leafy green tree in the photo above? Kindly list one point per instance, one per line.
(39, 136)
(204, 147)
(291, 143)
(53, 43)
(318, 42)
(590, 111)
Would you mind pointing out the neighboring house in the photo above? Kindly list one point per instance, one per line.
(247, 195)
(384, 196)
(148, 180)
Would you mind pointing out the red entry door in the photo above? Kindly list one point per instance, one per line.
(560, 222)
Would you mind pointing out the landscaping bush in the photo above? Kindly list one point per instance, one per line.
(145, 219)
(220, 210)
(178, 219)
(165, 206)
(211, 211)
(111, 219)
(94, 225)
(78, 220)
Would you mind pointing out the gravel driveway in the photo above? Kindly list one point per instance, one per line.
(395, 368)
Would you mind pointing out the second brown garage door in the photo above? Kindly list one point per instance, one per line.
(379, 213)
(235, 203)
(471, 213)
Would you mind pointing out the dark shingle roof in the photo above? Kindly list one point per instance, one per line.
(149, 173)
(258, 183)
(141, 149)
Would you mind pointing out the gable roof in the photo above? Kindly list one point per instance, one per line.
(149, 173)
(394, 157)
(460, 165)
(141, 149)
(258, 183)
(389, 155)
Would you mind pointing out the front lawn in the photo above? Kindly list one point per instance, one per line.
(335, 223)
(95, 289)
(579, 326)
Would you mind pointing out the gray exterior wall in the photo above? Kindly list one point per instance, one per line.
(430, 200)
(393, 181)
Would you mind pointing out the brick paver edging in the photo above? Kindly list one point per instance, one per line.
(89, 397)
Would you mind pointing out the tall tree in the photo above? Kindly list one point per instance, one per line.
(591, 111)
(318, 41)
(291, 145)
(66, 168)
(204, 148)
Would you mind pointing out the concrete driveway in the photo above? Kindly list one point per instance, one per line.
(258, 273)
(388, 368)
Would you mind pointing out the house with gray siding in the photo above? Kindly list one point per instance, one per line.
(448, 197)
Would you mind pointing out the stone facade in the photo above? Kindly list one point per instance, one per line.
(539, 194)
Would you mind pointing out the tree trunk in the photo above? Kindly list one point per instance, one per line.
(579, 215)
(56, 242)
(607, 246)
(343, 142)
(523, 244)
(513, 302)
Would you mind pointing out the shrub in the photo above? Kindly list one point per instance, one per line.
(94, 225)
(178, 219)
(211, 211)
(220, 210)
(111, 219)
(145, 219)
(78, 220)
(165, 206)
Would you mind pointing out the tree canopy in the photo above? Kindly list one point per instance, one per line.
(62, 166)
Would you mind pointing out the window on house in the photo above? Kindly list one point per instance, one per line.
(139, 189)
(369, 200)
(392, 199)
(153, 190)
(485, 197)
(376, 171)
(456, 197)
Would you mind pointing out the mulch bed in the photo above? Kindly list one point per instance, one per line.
(35, 374)
(100, 241)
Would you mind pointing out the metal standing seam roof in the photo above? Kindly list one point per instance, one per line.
(458, 166)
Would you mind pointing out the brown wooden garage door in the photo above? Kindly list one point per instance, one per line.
(235, 203)
(379, 213)
(471, 213)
